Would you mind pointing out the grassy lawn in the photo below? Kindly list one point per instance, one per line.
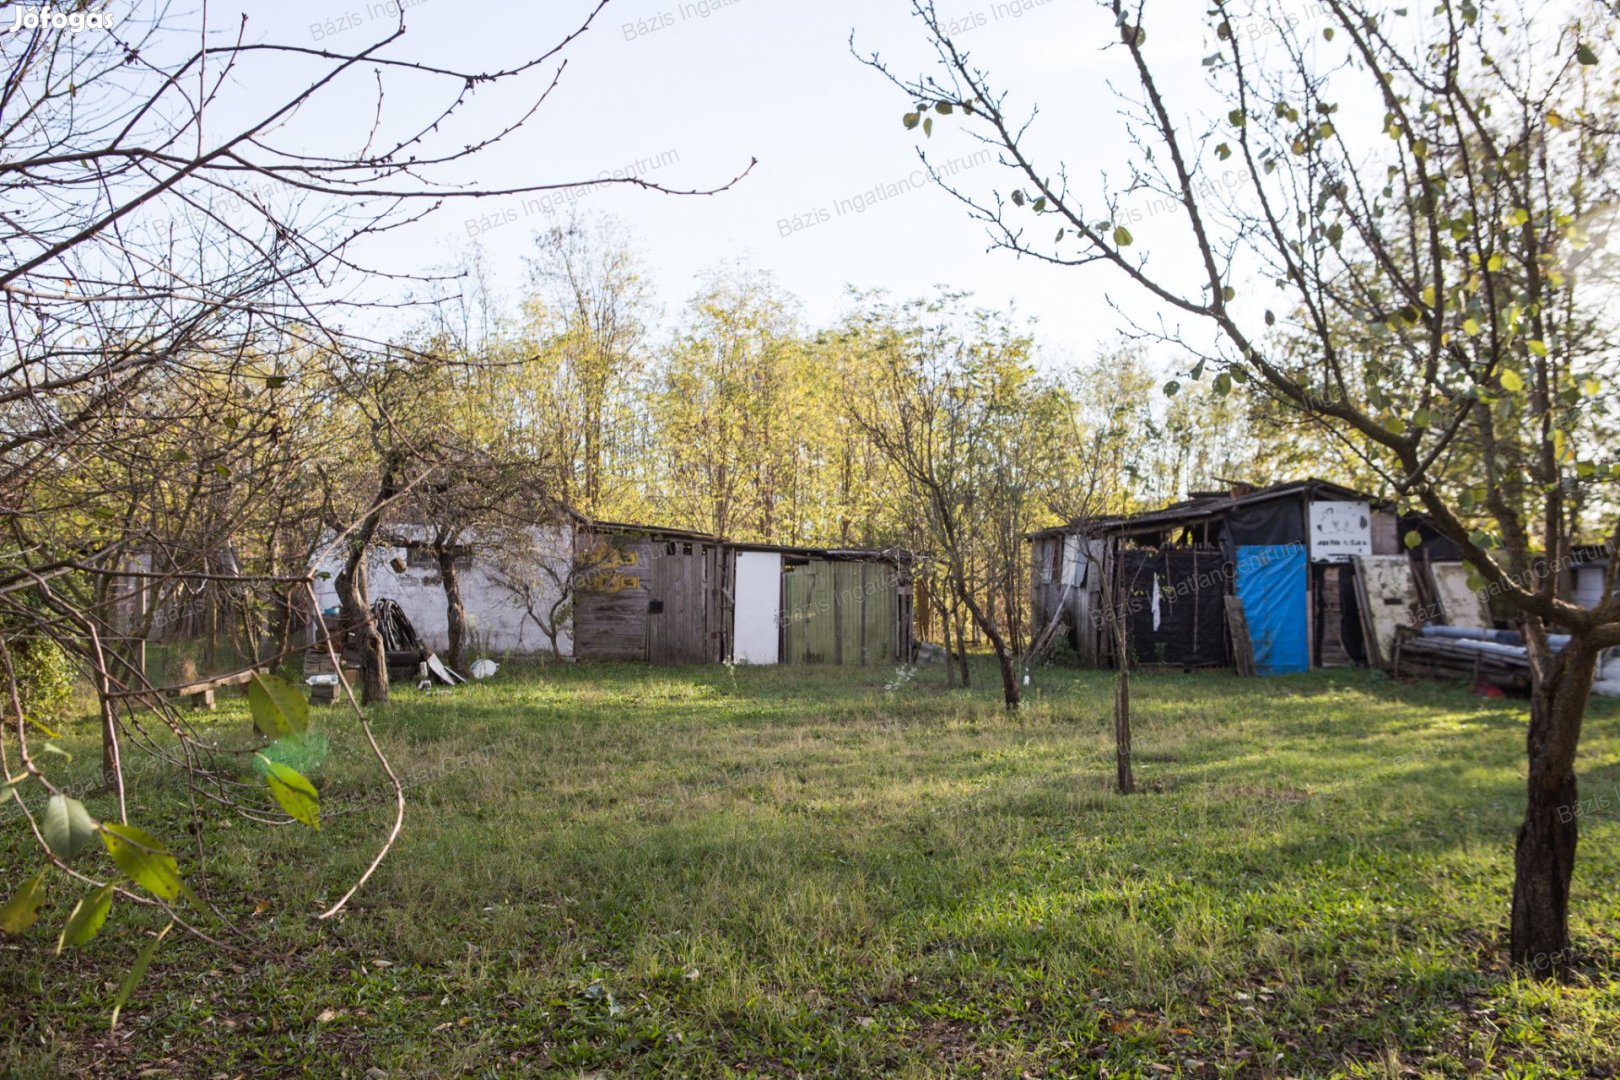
(615, 871)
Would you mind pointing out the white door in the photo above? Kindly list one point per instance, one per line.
(759, 608)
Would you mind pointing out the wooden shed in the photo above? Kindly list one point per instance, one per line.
(798, 605)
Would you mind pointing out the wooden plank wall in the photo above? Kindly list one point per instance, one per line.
(842, 612)
(611, 623)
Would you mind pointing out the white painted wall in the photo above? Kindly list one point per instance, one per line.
(496, 619)
(759, 608)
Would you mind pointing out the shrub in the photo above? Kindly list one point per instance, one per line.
(45, 679)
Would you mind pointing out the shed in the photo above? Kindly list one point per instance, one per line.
(1288, 553)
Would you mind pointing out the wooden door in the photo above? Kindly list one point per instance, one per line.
(680, 606)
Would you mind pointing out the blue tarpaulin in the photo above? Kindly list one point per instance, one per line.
(1271, 584)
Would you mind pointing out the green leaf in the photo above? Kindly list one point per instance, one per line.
(1172, 388)
(1536, 346)
(1040, 205)
(66, 825)
(1395, 425)
(138, 972)
(1414, 539)
(1223, 151)
(1471, 327)
(278, 708)
(296, 795)
(1228, 293)
(144, 858)
(1496, 263)
(928, 126)
(1511, 382)
(1223, 384)
(1236, 116)
(911, 120)
(1122, 236)
(1585, 55)
(22, 910)
(86, 921)
(1271, 317)
(943, 108)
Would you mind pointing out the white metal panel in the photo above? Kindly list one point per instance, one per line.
(1073, 572)
(759, 608)
(1461, 605)
(1588, 585)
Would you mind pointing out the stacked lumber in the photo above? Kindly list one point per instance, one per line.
(1496, 657)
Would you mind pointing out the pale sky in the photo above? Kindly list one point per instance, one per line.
(687, 91)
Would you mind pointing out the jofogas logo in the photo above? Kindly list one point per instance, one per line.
(45, 17)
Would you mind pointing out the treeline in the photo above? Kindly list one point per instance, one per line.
(737, 418)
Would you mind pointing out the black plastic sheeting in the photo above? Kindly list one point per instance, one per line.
(1191, 585)
(1272, 523)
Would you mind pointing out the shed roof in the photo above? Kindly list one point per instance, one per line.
(893, 555)
(1208, 506)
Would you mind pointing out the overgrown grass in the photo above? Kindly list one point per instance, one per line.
(621, 871)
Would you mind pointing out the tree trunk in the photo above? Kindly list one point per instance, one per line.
(1544, 857)
(1124, 776)
(1122, 731)
(1010, 693)
(353, 594)
(455, 612)
(356, 618)
(960, 654)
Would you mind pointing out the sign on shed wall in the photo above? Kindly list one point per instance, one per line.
(1340, 531)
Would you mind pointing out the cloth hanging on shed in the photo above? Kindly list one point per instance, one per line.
(1271, 584)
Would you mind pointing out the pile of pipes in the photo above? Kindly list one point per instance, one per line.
(1497, 657)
